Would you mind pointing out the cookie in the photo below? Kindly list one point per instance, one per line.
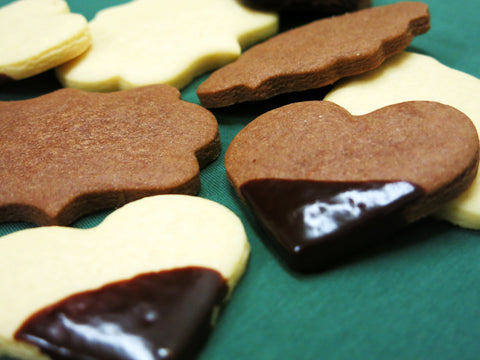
(410, 76)
(326, 184)
(147, 283)
(170, 42)
(38, 35)
(318, 7)
(70, 152)
(316, 55)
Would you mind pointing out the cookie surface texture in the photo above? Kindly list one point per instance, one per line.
(326, 183)
(317, 54)
(410, 76)
(37, 35)
(170, 42)
(84, 279)
(70, 152)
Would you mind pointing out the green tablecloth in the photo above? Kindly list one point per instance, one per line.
(417, 297)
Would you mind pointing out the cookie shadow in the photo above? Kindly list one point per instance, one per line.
(34, 86)
(253, 109)
(296, 13)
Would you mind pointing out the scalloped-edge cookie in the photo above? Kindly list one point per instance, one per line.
(410, 76)
(71, 152)
(147, 283)
(327, 184)
(316, 54)
(170, 42)
(38, 35)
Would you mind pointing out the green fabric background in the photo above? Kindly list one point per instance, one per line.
(416, 297)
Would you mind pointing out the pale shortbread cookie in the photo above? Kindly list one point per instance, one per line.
(410, 76)
(37, 35)
(43, 265)
(169, 42)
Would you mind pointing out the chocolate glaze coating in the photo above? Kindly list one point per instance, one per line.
(318, 224)
(165, 315)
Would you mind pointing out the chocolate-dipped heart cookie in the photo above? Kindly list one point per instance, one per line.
(147, 283)
(327, 184)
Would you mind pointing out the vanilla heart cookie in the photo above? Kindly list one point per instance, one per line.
(317, 54)
(147, 283)
(37, 35)
(148, 42)
(410, 76)
(70, 152)
(326, 184)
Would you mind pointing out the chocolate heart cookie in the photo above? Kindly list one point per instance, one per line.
(327, 184)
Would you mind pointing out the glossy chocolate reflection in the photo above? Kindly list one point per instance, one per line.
(317, 224)
(165, 315)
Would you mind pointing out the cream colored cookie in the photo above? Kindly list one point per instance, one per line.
(170, 42)
(43, 265)
(37, 35)
(410, 76)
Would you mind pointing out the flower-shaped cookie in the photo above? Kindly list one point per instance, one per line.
(37, 35)
(170, 42)
(316, 54)
(71, 152)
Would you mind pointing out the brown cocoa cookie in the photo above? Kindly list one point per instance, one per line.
(69, 153)
(317, 54)
(327, 184)
(319, 7)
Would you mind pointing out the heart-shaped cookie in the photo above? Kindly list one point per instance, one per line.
(326, 183)
(144, 284)
(70, 152)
